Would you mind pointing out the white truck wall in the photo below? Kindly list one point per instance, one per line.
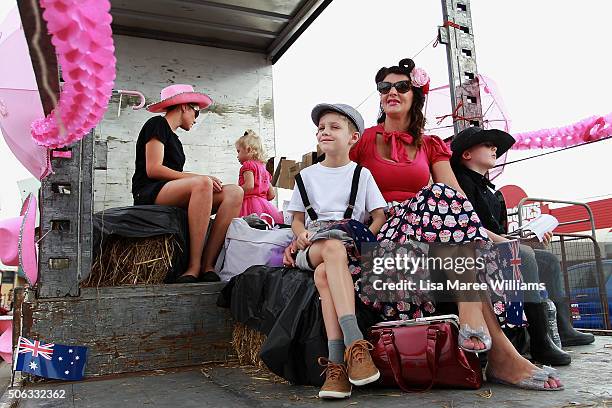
(239, 83)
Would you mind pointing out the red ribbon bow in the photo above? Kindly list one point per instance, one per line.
(397, 138)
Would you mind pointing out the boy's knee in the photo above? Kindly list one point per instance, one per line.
(547, 260)
(320, 277)
(527, 256)
(333, 247)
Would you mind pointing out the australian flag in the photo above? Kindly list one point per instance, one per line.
(51, 360)
(511, 270)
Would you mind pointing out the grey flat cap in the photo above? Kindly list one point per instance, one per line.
(342, 109)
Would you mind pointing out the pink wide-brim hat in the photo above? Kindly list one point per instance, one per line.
(6, 345)
(177, 94)
(17, 245)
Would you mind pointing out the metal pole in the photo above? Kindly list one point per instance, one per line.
(565, 273)
(601, 280)
(458, 35)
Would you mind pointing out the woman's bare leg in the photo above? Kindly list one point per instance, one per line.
(196, 195)
(471, 313)
(469, 304)
(330, 318)
(503, 359)
(226, 205)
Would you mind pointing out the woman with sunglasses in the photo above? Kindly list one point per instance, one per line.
(159, 179)
(403, 160)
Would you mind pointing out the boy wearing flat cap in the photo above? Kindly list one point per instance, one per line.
(329, 234)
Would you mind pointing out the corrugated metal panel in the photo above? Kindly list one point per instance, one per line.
(602, 212)
(264, 26)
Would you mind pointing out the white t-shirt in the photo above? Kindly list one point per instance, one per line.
(329, 190)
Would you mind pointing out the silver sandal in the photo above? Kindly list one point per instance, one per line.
(552, 373)
(465, 332)
(536, 382)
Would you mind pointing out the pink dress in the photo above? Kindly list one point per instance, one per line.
(256, 201)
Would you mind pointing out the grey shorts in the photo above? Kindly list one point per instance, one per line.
(302, 260)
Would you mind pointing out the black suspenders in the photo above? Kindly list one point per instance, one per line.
(352, 198)
(300, 184)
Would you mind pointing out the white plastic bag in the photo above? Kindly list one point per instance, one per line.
(245, 246)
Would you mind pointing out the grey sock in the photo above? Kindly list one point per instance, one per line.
(350, 329)
(336, 351)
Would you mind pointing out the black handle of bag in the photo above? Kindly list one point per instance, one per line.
(300, 184)
(433, 355)
(354, 186)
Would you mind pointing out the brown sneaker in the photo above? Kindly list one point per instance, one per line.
(336, 383)
(361, 369)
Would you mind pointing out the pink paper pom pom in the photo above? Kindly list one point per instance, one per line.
(81, 33)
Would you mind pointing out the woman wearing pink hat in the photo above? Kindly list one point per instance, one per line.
(159, 179)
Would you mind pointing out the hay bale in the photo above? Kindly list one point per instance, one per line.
(247, 344)
(132, 261)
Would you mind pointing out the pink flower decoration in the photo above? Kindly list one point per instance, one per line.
(81, 34)
(419, 77)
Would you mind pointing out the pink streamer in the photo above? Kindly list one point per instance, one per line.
(82, 37)
(587, 130)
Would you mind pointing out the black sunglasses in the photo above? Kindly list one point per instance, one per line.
(196, 109)
(400, 86)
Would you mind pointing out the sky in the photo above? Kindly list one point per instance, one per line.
(546, 57)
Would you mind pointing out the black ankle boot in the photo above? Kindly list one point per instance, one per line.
(569, 335)
(541, 346)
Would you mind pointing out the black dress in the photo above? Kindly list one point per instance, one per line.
(145, 189)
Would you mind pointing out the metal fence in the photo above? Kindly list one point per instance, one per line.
(586, 275)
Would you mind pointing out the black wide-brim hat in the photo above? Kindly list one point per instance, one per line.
(475, 135)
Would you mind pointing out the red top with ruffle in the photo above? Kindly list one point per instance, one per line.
(399, 181)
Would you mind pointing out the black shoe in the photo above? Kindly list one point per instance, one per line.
(186, 279)
(569, 335)
(541, 346)
(209, 276)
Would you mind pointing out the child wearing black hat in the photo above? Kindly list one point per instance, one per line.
(475, 152)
